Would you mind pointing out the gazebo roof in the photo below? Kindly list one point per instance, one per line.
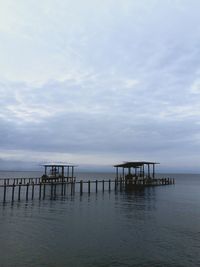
(54, 164)
(135, 164)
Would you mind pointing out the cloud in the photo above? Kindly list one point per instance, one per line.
(99, 81)
(195, 87)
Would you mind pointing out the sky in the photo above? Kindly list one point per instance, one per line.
(99, 82)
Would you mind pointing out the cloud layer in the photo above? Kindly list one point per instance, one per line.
(100, 81)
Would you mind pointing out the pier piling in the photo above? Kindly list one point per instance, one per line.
(51, 190)
(64, 187)
(88, 187)
(19, 191)
(33, 189)
(44, 190)
(72, 188)
(96, 182)
(81, 187)
(40, 190)
(4, 193)
(109, 185)
(13, 192)
(103, 185)
(27, 187)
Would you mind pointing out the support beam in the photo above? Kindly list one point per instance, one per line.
(63, 172)
(148, 170)
(67, 171)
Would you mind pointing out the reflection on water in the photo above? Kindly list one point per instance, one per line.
(156, 226)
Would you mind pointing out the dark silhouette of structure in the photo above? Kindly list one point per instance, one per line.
(136, 172)
(60, 179)
(58, 172)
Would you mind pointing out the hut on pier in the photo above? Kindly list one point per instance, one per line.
(58, 172)
(136, 171)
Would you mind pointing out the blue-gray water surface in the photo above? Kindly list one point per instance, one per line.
(157, 226)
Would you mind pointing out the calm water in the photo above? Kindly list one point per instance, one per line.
(155, 227)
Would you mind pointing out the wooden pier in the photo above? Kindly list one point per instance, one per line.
(59, 180)
(33, 188)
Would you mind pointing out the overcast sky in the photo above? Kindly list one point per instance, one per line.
(100, 82)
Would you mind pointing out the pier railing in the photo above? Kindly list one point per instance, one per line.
(36, 180)
(17, 189)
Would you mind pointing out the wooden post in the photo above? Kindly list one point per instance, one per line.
(62, 188)
(71, 183)
(74, 184)
(40, 190)
(81, 187)
(27, 186)
(19, 191)
(63, 174)
(54, 189)
(67, 173)
(13, 192)
(143, 171)
(148, 170)
(120, 184)
(109, 185)
(96, 186)
(115, 184)
(103, 185)
(72, 172)
(33, 190)
(4, 192)
(65, 188)
(51, 189)
(89, 187)
(117, 173)
(44, 190)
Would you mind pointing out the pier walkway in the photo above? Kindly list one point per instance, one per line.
(18, 189)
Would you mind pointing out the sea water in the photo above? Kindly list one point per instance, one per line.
(157, 226)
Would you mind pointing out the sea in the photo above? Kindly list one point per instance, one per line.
(157, 226)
